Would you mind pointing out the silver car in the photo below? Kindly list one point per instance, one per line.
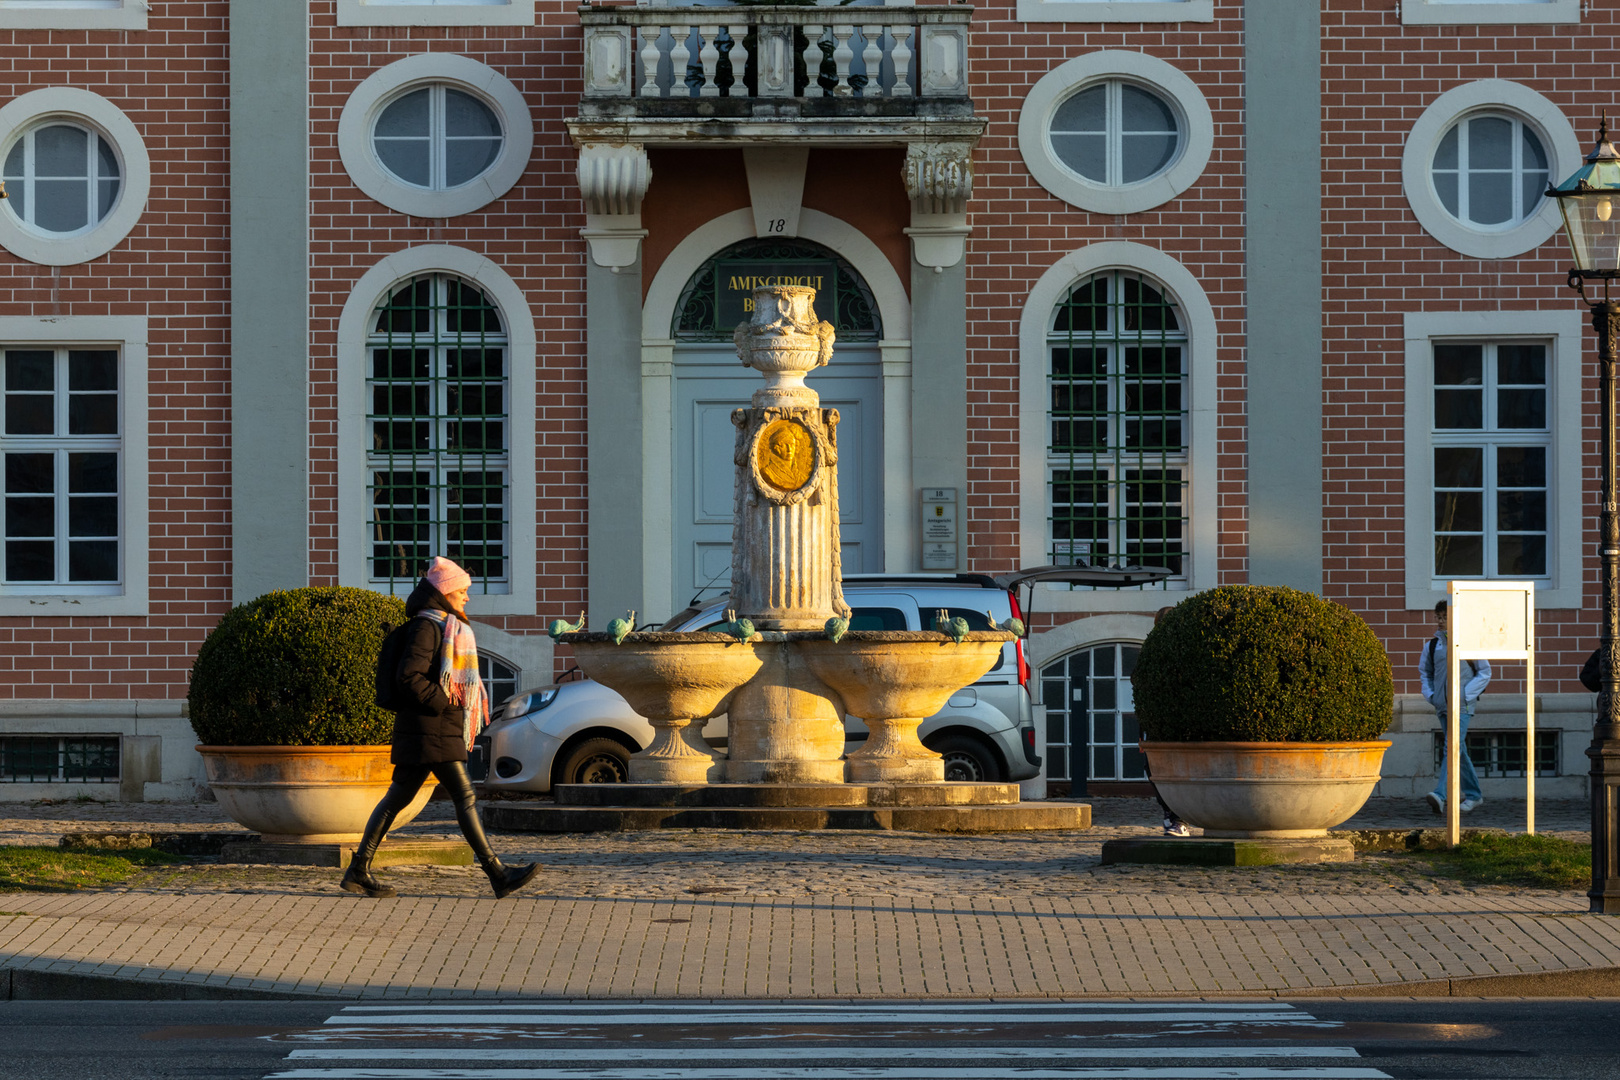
(580, 732)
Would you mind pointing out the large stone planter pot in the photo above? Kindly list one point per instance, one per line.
(304, 794)
(1279, 790)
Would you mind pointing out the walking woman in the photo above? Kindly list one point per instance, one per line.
(434, 733)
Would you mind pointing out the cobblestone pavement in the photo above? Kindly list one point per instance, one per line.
(673, 864)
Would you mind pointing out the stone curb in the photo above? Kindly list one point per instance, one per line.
(23, 984)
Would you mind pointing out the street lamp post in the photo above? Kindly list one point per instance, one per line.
(1588, 200)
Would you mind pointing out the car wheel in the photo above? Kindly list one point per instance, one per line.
(967, 762)
(597, 761)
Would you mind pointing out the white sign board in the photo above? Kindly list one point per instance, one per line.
(939, 529)
(1489, 620)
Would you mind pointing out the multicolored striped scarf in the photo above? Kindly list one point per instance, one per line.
(459, 677)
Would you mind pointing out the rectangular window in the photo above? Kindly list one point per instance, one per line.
(63, 470)
(1492, 439)
(54, 759)
(435, 12)
(1501, 753)
(1485, 12)
(1106, 11)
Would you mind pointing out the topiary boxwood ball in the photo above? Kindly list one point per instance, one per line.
(1260, 663)
(295, 668)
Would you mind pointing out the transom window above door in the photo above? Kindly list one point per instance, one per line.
(1115, 133)
(437, 137)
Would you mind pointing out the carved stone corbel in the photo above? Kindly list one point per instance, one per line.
(939, 182)
(612, 182)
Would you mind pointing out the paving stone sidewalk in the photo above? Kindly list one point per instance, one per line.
(819, 914)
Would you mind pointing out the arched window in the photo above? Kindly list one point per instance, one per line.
(437, 400)
(1091, 728)
(1117, 451)
(720, 295)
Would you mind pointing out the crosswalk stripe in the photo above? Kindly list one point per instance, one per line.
(415, 1018)
(819, 1053)
(858, 1073)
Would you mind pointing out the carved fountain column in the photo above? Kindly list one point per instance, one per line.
(784, 726)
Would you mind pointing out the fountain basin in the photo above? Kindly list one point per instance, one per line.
(893, 680)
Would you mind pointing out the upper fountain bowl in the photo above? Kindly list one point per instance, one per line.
(783, 341)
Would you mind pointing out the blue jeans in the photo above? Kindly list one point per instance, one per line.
(1470, 781)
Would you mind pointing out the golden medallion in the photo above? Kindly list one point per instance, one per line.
(785, 455)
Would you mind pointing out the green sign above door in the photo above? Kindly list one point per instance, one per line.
(736, 280)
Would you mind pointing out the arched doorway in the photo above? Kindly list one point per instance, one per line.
(1091, 727)
(709, 382)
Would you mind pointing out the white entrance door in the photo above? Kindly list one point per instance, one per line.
(709, 384)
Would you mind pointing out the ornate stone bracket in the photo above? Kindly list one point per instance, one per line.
(612, 181)
(939, 182)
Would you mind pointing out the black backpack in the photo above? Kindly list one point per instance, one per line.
(1429, 652)
(390, 694)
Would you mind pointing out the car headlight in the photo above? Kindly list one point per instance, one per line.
(524, 704)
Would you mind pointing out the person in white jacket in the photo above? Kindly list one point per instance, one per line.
(1432, 674)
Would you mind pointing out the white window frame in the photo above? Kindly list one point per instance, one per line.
(1562, 330)
(378, 90)
(71, 105)
(1108, 11)
(122, 15)
(1488, 12)
(1544, 119)
(434, 13)
(1199, 316)
(128, 335)
(1165, 81)
(354, 325)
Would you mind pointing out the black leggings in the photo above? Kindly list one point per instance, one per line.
(407, 782)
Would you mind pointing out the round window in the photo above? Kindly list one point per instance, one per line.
(1490, 171)
(1115, 133)
(437, 138)
(62, 179)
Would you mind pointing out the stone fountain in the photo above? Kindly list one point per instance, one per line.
(786, 669)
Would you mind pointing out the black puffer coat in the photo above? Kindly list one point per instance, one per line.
(432, 730)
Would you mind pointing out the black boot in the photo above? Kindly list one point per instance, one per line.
(358, 879)
(506, 880)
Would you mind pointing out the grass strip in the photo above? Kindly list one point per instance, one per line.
(1542, 862)
(51, 869)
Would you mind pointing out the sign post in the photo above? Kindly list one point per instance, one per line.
(1488, 620)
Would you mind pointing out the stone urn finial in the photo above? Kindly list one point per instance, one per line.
(783, 341)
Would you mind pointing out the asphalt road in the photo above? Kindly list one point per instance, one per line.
(1436, 1039)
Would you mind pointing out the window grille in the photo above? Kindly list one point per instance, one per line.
(1501, 753)
(63, 469)
(1117, 459)
(53, 759)
(1091, 726)
(1492, 441)
(500, 679)
(438, 467)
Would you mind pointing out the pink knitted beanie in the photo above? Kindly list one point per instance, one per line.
(446, 576)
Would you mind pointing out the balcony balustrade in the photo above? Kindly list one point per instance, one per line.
(775, 61)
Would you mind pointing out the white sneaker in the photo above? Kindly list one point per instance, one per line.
(1469, 804)
(1437, 802)
(1176, 827)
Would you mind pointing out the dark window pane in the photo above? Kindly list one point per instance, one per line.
(1142, 156)
(1086, 309)
(1459, 511)
(1102, 763)
(877, 619)
(408, 311)
(1524, 365)
(30, 560)
(400, 363)
(1459, 467)
(1459, 409)
(1490, 143)
(467, 159)
(1102, 691)
(1085, 111)
(92, 414)
(93, 560)
(1057, 763)
(1102, 729)
(1130, 731)
(61, 206)
(92, 369)
(1520, 466)
(1135, 764)
(30, 369)
(1521, 556)
(30, 474)
(1459, 365)
(30, 414)
(1521, 408)
(95, 516)
(1459, 556)
(1445, 186)
(92, 473)
(1521, 511)
(1057, 727)
(1128, 655)
(30, 516)
(1490, 198)
(1102, 662)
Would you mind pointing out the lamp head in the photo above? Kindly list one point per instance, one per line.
(1587, 200)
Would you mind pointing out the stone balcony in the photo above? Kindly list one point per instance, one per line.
(827, 75)
(775, 80)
